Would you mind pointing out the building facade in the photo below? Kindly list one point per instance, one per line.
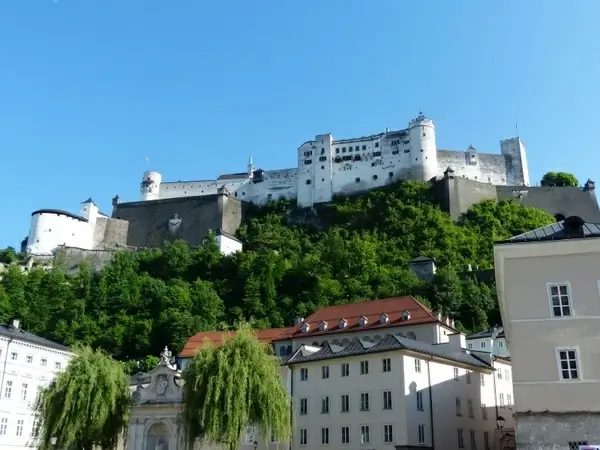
(327, 167)
(549, 295)
(491, 341)
(394, 350)
(29, 362)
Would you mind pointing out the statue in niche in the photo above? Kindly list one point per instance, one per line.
(174, 224)
(162, 383)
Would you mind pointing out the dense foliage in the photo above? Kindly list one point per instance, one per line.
(355, 249)
(559, 179)
(85, 405)
(230, 386)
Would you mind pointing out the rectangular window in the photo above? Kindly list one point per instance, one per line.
(35, 427)
(501, 399)
(418, 365)
(486, 440)
(509, 401)
(461, 438)
(324, 435)
(273, 440)
(499, 374)
(364, 401)
(419, 401)
(387, 365)
(24, 387)
(482, 378)
(20, 424)
(365, 434)
(3, 425)
(456, 374)
(57, 365)
(484, 411)
(506, 374)
(325, 372)
(364, 367)
(303, 406)
(43, 362)
(470, 346)
(473, 440)
(560, 300)
(345, 403)
(468, 377)
(388, 434)
(8, 389)
(13, 356)
(345, 435)
(303, 374)
(421, 434)
(568, 367)
(470, 408)
(325, 405)
(303, 436)
(345, 369)
(482, 344)
(387, 400)
(458, 407)
(29, 359)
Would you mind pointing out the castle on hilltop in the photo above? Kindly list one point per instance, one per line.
(327, 167)
(188, 210)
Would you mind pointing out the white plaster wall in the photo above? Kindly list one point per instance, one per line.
(227, 246)
(498, 347)
(49, 230)
(150, 188)
(27, 369)
(423, 156)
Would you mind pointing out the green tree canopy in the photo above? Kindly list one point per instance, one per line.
(85, 405)
(559, 179)
(229, 387)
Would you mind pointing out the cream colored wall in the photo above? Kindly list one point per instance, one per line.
(523, 272)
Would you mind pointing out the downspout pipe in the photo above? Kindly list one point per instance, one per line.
(430, 402)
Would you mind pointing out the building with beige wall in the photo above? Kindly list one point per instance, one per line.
(548, 287)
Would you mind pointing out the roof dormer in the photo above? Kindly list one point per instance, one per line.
(343, 323)
(384, 318)
(405, 315)
(363, 321)
(305, 327)
(323, 326)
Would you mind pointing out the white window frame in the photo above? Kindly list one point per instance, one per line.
(577, 360)
(304, 406)
(388, 427)
(342, 397)
(364, 367)
(324, 435)
(347, 429)
(420, 406)
(345, 370)
(387, 365)
(324, 372)
(383, 402)
(569, 295)
(325, 404)
(303, 374)
(365, 430)
(456, 374)
(365, 401)
(417, 365)
(303, 436)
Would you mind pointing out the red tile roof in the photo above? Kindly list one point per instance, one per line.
(352, 312)
(216, 337)
(372, 311)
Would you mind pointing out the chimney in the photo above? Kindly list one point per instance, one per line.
(457, 341)
(16, 324)
(589, 185)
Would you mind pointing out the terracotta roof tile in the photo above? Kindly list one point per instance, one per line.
(216, 337)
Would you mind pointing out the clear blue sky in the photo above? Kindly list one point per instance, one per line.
(90, 88)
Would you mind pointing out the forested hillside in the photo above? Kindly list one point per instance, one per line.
(148, 299)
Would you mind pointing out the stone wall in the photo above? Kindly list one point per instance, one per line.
(548, 431)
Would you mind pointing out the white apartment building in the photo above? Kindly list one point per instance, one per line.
(548, 288)
(401, 347)
(398, 393)
(491, 341)
(29, 362)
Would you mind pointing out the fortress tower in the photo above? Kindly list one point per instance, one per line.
(424, 163)
(150, 186)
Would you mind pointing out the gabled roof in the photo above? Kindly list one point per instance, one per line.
(372, 310)
(361, 346)
(25, 336)
(233, 176)
(220, 232)
(216, 337)
(572, 227)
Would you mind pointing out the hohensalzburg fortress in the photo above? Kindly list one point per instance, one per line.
(327, 167)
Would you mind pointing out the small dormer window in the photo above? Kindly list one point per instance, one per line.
(343, 323)
(305, 327)
(363, 321)
(384, 318)
(405, 315)
(323, 326)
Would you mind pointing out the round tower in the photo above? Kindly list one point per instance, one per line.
(150, 185)
(424, 164)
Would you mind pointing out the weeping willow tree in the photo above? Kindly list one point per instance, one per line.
(229, 387)
(87, 404)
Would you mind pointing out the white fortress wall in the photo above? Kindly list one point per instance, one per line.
(484, 167)
(50, 229)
